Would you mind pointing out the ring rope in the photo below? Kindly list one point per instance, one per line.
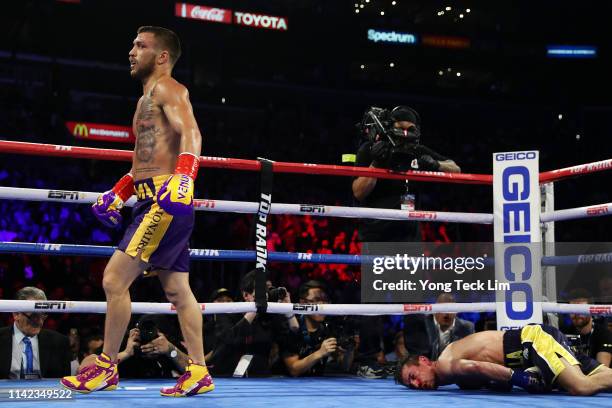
(63, 306)
(42, 149)
(251, 256)
(248, 207)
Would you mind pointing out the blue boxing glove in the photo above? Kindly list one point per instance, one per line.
(530, 380)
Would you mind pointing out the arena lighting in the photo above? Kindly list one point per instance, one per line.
(382, 13)
(458, 74)
(571, 51)
(560, 116)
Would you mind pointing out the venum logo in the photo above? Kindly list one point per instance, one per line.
(308, 208)
(50, 305)
(299, 307)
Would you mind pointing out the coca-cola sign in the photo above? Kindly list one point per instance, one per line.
(260, 21)
(214, 14)
(226, 16)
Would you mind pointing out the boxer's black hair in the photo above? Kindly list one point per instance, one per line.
(167, 39)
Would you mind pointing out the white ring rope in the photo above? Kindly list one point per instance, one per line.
(74, 197)
(597, 210)
(247, 207)
(61, 306)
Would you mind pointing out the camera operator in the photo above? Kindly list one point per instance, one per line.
(148, 352)
(249, 339)
(589, 336)
(318, 344)
(394, 143)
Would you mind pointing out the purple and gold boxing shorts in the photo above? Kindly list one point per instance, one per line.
(161, 239)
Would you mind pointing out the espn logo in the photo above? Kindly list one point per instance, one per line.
(417, 308)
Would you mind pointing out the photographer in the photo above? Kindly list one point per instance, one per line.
(249, 338)
(394, 143)
(589, 336)
(318, 344)
(148, 351)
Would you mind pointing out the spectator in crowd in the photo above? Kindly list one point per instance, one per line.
(429, 335)
(590, 336)
(318, 344)
(221, 295)
(249, 337)
(399, 349)
(28, 351)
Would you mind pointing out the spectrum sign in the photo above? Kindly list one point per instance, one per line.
(391, 37)
(227, 16)
(101, 131)
(571, 51)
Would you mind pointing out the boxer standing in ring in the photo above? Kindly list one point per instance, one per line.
(164, 167)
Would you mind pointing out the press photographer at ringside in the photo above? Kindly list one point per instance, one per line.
(394, 142)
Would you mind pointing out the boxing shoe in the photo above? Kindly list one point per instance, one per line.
(195, 380)
(101, 376)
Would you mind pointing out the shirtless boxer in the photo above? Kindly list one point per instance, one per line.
(164, 166)
(536, 358)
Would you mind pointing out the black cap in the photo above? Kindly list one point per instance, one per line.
(405, 113)
(218, 293)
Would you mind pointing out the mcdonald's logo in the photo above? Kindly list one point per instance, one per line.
(80, 129)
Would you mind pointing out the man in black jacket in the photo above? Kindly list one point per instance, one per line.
(408, 154)
(28, 351)
(429, 335)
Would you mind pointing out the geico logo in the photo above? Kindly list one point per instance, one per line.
(312, 208)
(63, 195)
(515, 156)
(602, 209)
(298, 307)
(516, 191)
(520, 291)
(50, 305)
(417, 308)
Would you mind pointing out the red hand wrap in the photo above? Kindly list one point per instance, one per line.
(124, 187)
(188, 164)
